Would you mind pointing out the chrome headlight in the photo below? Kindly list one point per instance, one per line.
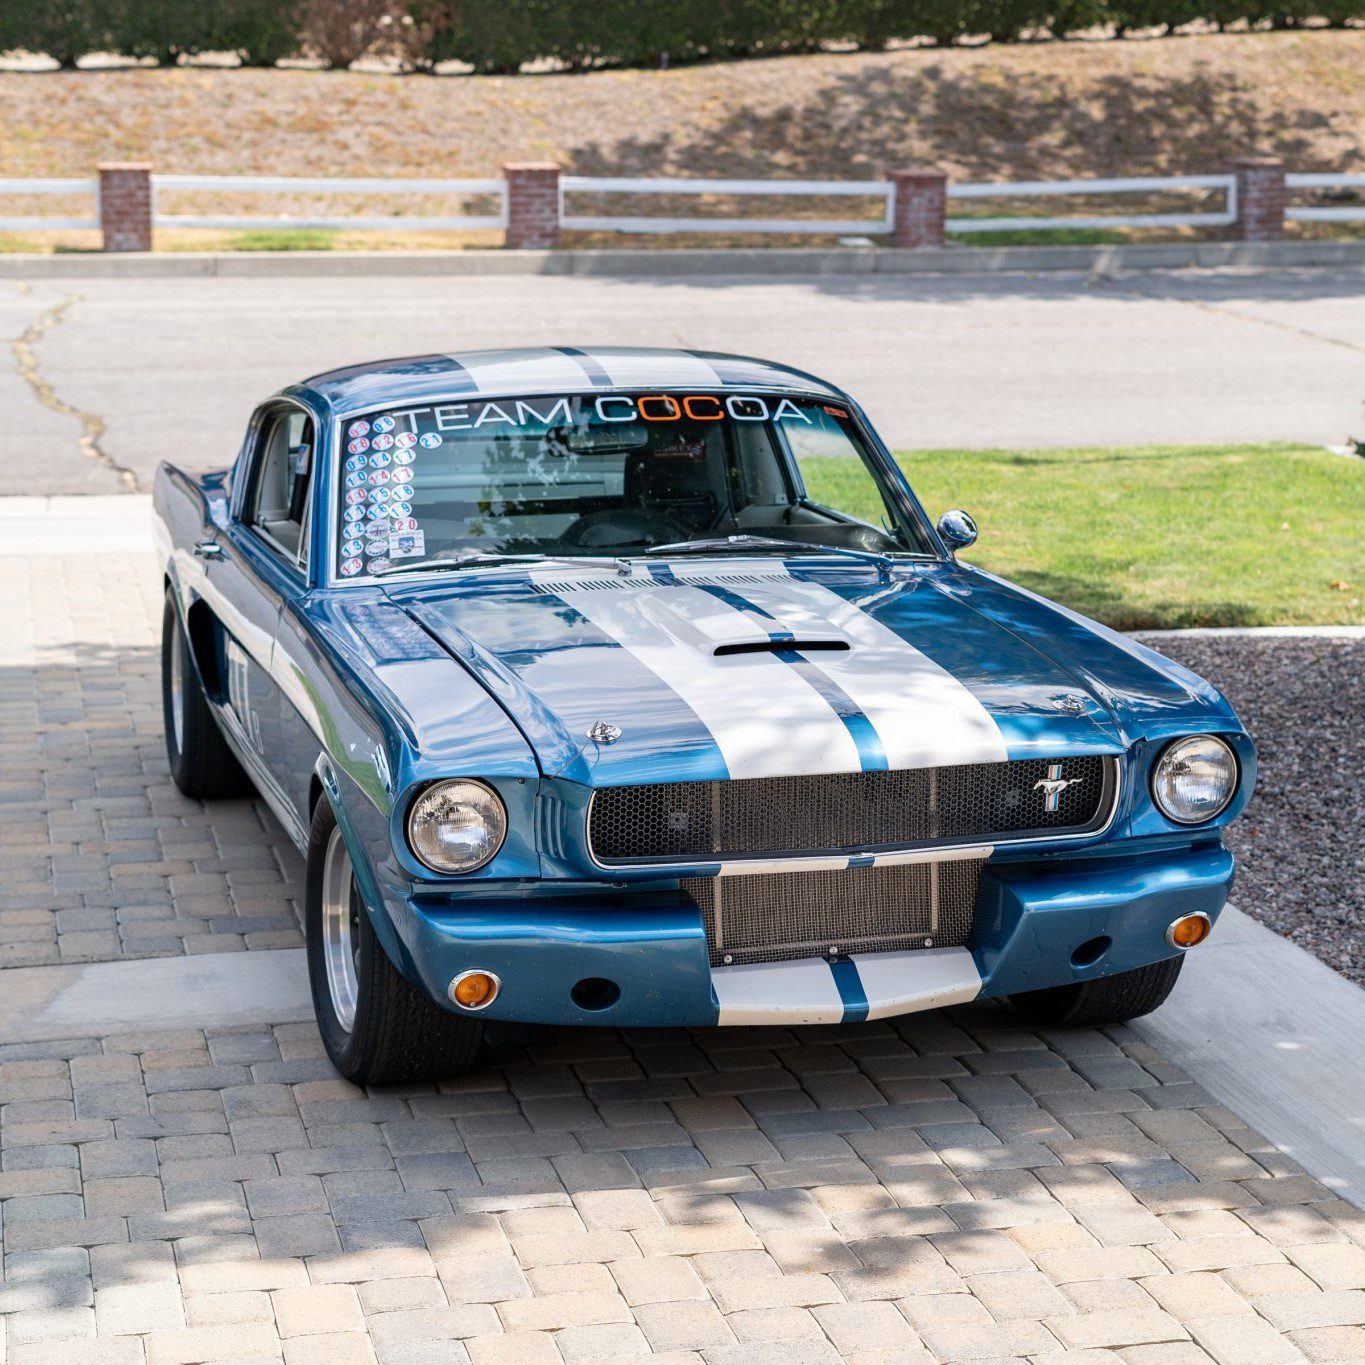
(457, 826)
(1194, 779)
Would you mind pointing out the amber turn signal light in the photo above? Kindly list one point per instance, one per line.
(1189, 931)
(474, 990)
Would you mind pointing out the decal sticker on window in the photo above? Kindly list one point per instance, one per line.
(402, 476)
(360, 428)
(384, 423)
(431, 439)
(403, 456)
(404, 440)
(379, 495)
(351, 548)
(351, 567)
(354, 496)
(384, 442)
(400, 509)
(380, 461)
(407, 545)
(354, 513)
(378, 565)
(402, 524)
(358, 446)
(356, 462)
(379, 476)
(356, 479)
(377, 547)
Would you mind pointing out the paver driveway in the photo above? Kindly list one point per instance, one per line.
(944, 1187)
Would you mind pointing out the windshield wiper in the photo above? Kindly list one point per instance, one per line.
(464, 560)
(744, 543)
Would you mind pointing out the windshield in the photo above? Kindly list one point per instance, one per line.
(609, 474)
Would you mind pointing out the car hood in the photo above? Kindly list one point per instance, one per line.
(737, 668)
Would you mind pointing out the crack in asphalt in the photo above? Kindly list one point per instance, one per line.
(1224, 310)
(92, 426)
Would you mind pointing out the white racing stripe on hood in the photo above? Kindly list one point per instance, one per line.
(924, 716)
(765, 719)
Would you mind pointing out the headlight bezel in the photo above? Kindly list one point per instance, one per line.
(434, 790)
(1170, 752)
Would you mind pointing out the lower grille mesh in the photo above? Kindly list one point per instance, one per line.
(772, 917)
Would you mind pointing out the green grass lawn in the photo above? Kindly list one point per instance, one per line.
(1157, 536)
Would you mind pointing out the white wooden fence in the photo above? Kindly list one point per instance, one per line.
(884, 216)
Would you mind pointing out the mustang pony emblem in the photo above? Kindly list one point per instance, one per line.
(1052, 787)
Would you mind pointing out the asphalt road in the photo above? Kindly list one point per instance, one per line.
(110, 375)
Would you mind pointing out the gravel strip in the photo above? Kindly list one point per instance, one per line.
(1300, 845)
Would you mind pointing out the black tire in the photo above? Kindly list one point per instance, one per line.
(397, 1035)
(202, 765)
(1105, 1000)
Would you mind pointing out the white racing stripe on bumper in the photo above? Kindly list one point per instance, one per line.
(800, 992)
(927, 979)
(805, 992)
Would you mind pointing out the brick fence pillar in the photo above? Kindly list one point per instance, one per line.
(920, 207)
(1260, 199)
(532, 205)
(126, 207)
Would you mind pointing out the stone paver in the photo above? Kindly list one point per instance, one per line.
(395, 1226)
(944, 1187)
(100, 857)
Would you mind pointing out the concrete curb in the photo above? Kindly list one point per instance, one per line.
(741, 261)
(1274, 1034)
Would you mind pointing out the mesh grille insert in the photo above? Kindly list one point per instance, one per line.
(772, 917)
(847, 812)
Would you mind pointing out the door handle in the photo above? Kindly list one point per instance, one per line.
(208, 549)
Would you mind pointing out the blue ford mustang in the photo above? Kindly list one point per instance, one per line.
(634, 687)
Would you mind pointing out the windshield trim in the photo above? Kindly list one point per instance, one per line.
(892, 477)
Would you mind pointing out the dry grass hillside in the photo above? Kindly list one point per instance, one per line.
(1075, 108)
(1079, 108)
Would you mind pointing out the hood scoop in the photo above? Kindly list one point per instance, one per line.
(796, 644)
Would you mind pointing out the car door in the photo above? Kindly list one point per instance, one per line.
(262, 556)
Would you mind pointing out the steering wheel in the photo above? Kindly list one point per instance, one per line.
(622, 527)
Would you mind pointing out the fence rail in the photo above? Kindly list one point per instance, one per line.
(605, 184)
(55, 189)
(1147, 184)
(1321, 213)
(911, 207)
(284, 184)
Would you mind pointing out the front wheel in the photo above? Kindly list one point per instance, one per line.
(376, 1027)
(1105, 1000)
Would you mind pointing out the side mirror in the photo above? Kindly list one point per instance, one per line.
(957, 529)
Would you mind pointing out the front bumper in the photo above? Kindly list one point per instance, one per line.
(1038, 925)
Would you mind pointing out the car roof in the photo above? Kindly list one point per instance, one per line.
(545, 369)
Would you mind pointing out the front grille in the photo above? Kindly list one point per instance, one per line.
(846, 812)
(772, 917)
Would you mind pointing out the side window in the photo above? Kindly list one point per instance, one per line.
(835, 471)
(279, 494)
